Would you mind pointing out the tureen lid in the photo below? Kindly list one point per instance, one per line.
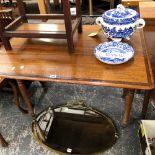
(120, 15)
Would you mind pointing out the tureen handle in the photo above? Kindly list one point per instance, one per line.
(140, 23)
(120, 6)
(99, 21)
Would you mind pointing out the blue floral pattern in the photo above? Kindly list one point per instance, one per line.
(121, 33)
(120, 17)
(113, 52)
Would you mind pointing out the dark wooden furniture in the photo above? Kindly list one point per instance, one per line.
(12, 85)
(149, 32)
(55, 64)
(16, 93)
(6, 18)
(135, 3)
(3, 142)
(70, 26)
(147, 12)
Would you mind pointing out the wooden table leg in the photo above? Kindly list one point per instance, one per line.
(68, 25)
(44, 85)
(3, 143)
(6, 43)
(145, 103)
(128, 104)
(5, 40)
(16, 96)
(25, 96)
(124, 92)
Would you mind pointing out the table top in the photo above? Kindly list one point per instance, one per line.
(133, 2)
(147, 9)
(49, 60)
(150, 40)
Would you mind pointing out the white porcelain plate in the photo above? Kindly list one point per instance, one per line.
(113, 52)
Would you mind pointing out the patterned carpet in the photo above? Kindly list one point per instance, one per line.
(16, 127)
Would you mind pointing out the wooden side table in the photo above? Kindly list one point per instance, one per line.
(133, 2)
(147, 12)
(55, 64)
(70, 25)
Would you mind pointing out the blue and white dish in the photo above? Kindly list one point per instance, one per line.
(120, 22)
(113, 52)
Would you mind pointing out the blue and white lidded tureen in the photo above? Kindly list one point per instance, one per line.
(120, 22)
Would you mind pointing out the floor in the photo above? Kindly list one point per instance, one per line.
(16, 127)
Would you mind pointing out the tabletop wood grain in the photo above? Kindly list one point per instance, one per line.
(49, 60)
